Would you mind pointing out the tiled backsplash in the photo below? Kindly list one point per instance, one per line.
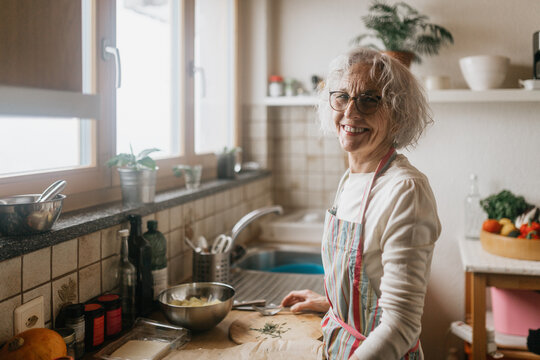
(79, 269)
(306, 165)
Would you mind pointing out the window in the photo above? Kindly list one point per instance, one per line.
(177, 74)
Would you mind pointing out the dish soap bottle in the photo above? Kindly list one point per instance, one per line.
(474, 215)
(159, 257)
(128, 280)
(141, 256)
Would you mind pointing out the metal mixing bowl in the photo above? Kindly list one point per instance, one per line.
(21, 215)
(202, 317)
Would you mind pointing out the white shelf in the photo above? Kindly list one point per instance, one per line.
(291, 101)
(470, 96)
(434, 97)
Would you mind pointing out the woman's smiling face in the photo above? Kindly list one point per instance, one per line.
(365, 137)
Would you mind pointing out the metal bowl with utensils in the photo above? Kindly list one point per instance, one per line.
(31, 213)
(197, 318)
(22, 215)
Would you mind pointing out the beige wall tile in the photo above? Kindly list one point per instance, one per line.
(198, 208)
(315, 182)
(314, 146)
(36, 268)
(187, 260)
(64, 258)
(44, 291)
(176, 219)
(89, 282)
(176, 243)
(64, 291)
(298, 147)
(6, 320)
(89, 248)
(110, 241)
(209, 205)
(176, 270)
(10, 280)
(162, 218)
(220, 202)
(109, 273)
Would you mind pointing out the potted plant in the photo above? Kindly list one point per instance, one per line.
(404, 32)
(137, 176)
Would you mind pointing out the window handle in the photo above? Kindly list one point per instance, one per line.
(199, 69)
(108, 51)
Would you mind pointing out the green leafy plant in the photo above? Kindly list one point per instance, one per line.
(504, 205)
(140, 162)
(400, 27)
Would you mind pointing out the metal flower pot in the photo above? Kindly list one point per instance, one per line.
(138, 186)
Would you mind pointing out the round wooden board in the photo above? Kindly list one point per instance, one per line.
(293, 327)
(523, 249)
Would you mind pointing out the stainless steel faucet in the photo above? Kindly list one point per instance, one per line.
(251, 216)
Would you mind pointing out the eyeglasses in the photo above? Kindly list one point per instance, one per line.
(365, 103)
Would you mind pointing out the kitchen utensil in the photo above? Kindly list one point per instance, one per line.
(483, 72)
(22, 215)
(211, 267)
(524, 249)
(202, 243)
(269, 310)
(283, 326)
(191, 245)
(197, 318)
(248, 303)
(221, 244)
(54, 189)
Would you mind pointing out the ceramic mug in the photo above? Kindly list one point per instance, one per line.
(436, 82)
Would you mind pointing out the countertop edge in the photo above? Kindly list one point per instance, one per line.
(85, 221)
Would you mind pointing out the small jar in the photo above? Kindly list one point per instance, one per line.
(94, 317)
(75, 321)
(68, 334)
(275, 86)
(113, 314)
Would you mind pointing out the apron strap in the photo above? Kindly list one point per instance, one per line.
(359, 335)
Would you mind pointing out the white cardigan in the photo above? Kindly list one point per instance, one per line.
(401, 227)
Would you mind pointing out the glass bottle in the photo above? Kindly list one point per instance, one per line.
(474, 214)
(128, 279)
(159, 257)
(142, 254)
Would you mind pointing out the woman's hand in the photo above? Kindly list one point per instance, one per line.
(300, 300)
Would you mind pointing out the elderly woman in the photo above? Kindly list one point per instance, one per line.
(380, 232)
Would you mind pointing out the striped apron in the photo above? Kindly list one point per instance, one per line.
(354, 307)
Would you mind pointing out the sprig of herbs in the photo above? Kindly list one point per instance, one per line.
(504, 205)
(272, 330)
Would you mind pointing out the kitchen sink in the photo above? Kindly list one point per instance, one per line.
(282, 260)
(270, 273)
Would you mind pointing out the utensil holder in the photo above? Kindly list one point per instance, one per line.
(209, 267)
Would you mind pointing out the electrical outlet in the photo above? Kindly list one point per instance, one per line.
(29, 315)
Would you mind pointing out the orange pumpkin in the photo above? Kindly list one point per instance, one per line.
(34, 344)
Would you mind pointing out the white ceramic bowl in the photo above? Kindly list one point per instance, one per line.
(483, 72)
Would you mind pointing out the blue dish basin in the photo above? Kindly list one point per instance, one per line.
(282, 261)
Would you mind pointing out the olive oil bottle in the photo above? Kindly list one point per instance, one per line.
(158, 243)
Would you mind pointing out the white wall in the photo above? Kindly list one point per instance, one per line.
(497, 141)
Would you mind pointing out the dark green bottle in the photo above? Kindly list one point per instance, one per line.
(159, 257)
(140, 254)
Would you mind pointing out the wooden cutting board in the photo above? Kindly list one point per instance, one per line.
(286, 326)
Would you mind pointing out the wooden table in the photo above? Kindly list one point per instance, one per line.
(483, 269)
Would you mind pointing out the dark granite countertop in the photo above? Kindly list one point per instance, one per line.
(85, 221)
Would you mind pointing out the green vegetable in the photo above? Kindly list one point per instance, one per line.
(504, 205)
(141, 161)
